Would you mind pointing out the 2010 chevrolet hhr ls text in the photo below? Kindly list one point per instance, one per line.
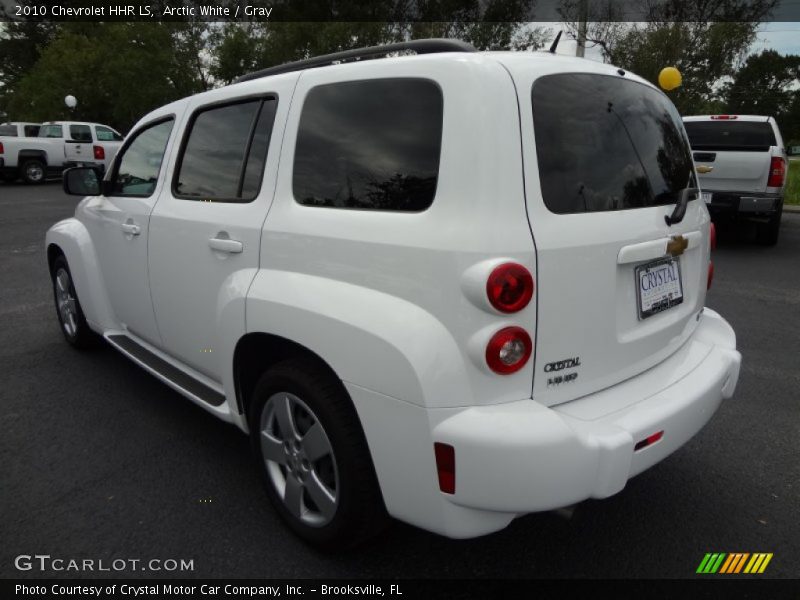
(451, 287)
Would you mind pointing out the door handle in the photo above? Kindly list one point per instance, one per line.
(225, 245)
(131, 228)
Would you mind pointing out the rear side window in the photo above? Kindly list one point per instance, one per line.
(106, 134)
(743, 136)
(51, 131)
(371, 144)
(31, 130)
(8, 130)
(80, 133)
(606, 143)
(224, 154)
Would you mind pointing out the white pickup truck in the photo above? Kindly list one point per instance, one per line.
(741, 168)
(59, 145)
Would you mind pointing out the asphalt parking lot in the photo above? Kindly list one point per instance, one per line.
(100, 460)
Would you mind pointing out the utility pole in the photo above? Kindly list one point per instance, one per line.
(583, 26)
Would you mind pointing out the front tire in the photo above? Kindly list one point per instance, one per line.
(313, 456)
(70, 314)
(33, 171)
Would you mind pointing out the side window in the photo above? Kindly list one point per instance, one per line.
(51, 131)
(371, 144)
(31, 130)
(80, 133)
(106, 134)
(140, 163)
(225, 151)
(8, 130)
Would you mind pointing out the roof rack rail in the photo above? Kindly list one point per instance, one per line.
(428, 46)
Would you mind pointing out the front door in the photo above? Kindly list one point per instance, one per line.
(118, 224)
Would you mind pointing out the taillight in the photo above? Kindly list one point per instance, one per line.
(508, 350)
(710, 275)
(1, 148)
(777, 171)
(445, 467)
(713, 236)
(99, 153)
(724, 117)
(509, 287)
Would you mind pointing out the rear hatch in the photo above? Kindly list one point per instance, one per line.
(731, 154)
(606, 158)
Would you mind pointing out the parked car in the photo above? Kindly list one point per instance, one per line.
(58, 145)
(741, 164)
(455, 287)
(19, 129)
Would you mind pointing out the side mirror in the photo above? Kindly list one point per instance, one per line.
(82, 181)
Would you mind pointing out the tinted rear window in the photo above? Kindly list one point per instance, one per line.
(730, 135)
(606, 143)
(370, 145)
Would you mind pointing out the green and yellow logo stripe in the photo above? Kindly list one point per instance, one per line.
(734, 562)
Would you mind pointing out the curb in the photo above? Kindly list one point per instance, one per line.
(793, 208)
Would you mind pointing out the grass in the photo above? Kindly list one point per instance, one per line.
(793, 182)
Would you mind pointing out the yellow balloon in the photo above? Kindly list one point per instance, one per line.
(669, 78)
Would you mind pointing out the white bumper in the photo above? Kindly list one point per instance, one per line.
(523, 457)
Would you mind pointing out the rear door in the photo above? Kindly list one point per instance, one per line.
(205, 232)
(731, 154)
(606, 159)
(78, 146)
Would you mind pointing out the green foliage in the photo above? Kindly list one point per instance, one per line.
(117, 71)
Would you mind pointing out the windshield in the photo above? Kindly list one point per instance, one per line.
(606, 143)
(742, 136)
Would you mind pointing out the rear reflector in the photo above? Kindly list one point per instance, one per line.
(99, 153)
(650, 440)
(713, 235)
(724, 117)
(777, 171)
(710, 275)
(446, 467)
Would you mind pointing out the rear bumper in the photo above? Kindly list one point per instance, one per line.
(523, 457)
(743, 203)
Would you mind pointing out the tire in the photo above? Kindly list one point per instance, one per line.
(33, 171)
(70, 314)
(767, 233)
(313, 456)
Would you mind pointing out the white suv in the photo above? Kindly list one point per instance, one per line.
(455, 287)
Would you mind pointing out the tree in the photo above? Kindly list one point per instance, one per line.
(118, 72)
(767, 85)
(706, 40)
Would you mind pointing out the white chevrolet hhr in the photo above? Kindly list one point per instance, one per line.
(453, 288)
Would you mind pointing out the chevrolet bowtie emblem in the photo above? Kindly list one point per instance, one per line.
(704, 169)
(676, 245)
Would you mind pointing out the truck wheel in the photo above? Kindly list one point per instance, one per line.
(313, 456)
(767, 233)
(70, 314)
(33, 171)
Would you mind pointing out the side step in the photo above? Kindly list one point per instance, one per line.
(163, 369)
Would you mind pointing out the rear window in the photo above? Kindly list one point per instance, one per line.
(8, 130)
(371, 145)
(606, 143)
(31, 130)
(743, 136)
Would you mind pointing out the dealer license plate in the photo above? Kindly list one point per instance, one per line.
(705, 197)
(659, 284)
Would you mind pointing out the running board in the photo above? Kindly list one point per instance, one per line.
(161, 368)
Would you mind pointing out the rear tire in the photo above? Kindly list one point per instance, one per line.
(767, 233)
(313, 457)
(70, 314)
(33, 171)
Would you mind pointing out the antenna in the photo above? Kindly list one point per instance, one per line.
(555, 43)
